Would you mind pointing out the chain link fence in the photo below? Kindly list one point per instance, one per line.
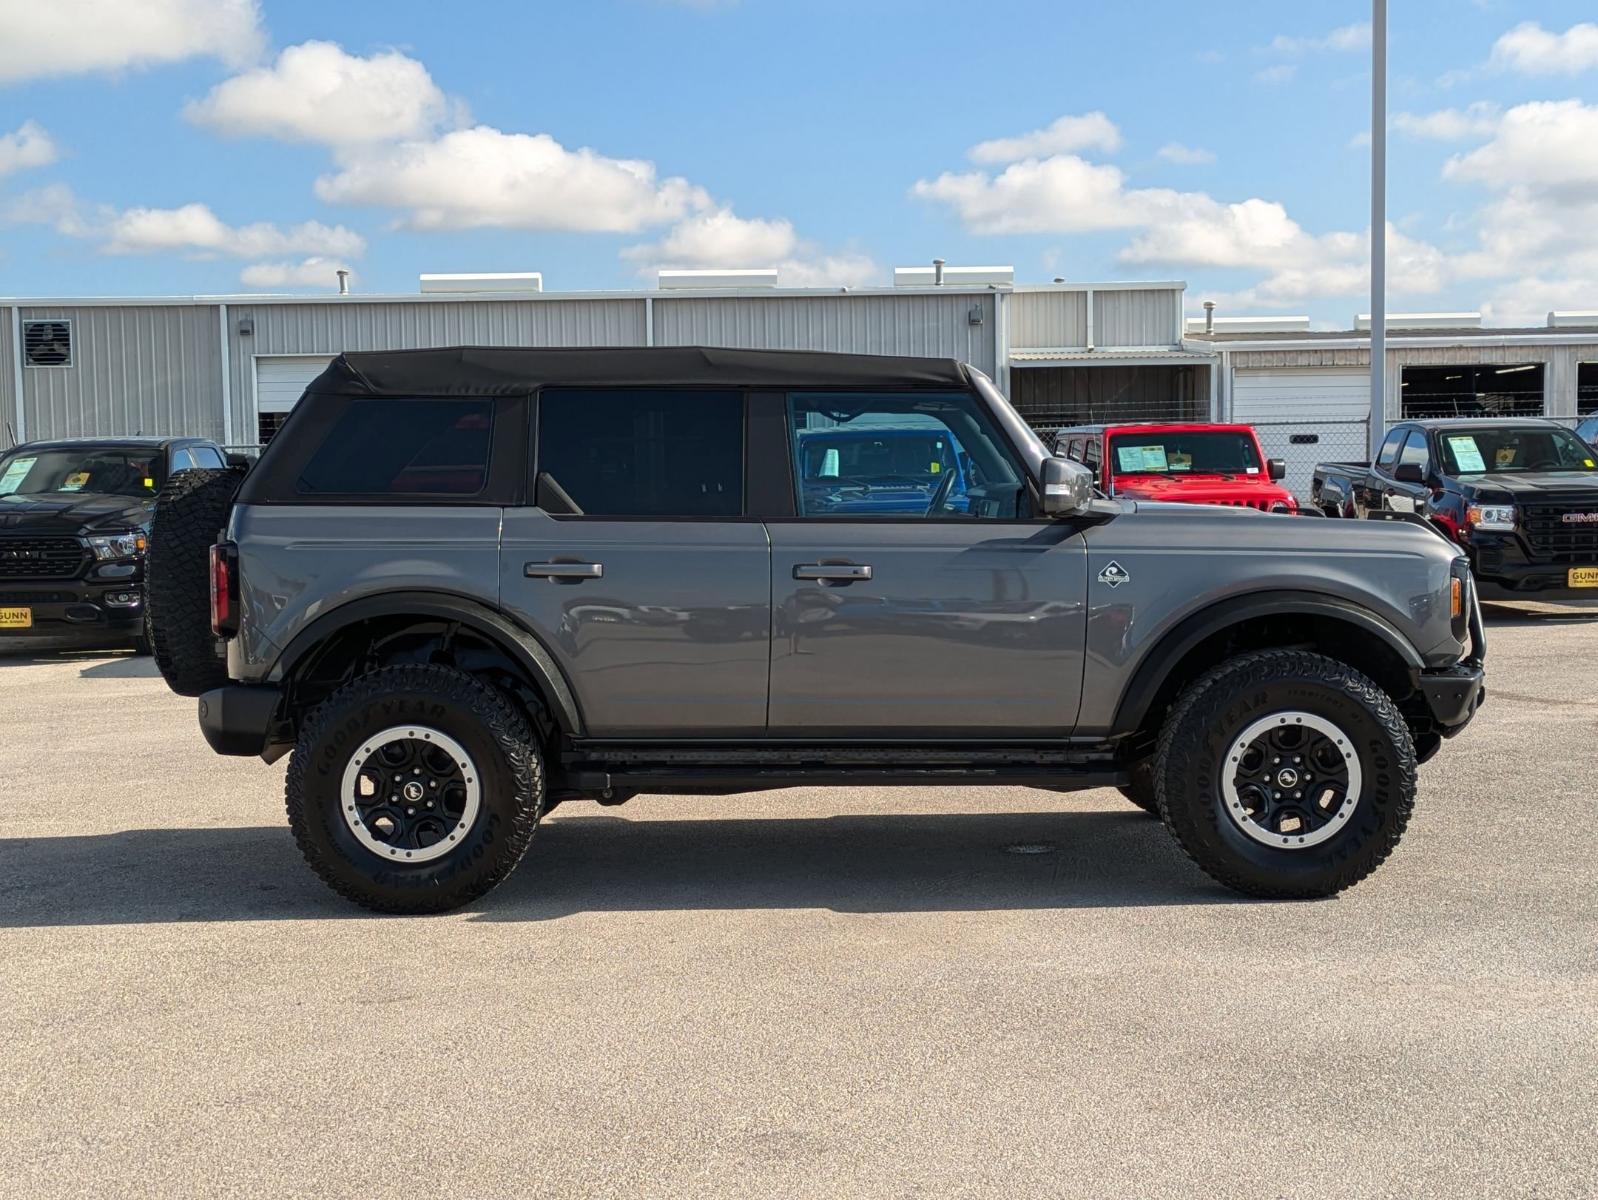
(1304, 444)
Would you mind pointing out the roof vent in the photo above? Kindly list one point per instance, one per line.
(47, 343)
(1456, 320)
(953, 276)
(765, 277)
(1585, 319)
(498, 281)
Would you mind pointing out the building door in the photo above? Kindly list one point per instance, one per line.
(280, 381)
(1305, 415)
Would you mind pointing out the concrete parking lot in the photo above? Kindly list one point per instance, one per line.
(804, 993)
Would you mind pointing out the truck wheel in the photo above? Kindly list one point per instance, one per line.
(414, 789)
(189, 513)
(1141, 790)
(1286, 774)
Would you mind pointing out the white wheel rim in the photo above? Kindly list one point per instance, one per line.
(424, 808)
(1290, 793)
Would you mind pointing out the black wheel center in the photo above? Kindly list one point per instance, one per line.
(1291, 780)
(409, 793)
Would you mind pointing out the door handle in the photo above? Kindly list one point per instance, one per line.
(564, 570)
(833, 572)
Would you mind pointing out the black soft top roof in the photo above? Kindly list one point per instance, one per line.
(499, 370)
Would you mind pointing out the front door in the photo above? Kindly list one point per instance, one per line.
(636, 565)
(913, 594)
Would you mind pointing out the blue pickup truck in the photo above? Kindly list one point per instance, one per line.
(870, 471)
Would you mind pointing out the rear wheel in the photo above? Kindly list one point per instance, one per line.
(1286, 774)
(414, 789)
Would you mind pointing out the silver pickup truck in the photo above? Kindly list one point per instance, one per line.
(462, 586)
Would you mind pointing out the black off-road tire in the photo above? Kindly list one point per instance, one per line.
(190, 512)
(500, 743)
(1141, 791)
(1217, 708)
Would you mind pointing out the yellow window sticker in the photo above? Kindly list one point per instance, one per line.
(936, 467)
(1505, 456)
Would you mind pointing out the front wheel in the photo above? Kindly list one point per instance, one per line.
(1286, 774)
(414, 789)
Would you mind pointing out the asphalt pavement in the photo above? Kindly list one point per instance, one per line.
(811, 993)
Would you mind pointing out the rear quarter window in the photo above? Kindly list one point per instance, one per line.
(404, 448)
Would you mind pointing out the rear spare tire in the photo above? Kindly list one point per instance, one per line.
(189, 515)
(1286, 774)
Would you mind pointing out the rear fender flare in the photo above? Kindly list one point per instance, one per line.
(523, 647)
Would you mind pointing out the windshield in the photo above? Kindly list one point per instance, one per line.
(1175, 453)
(80, 469)
(1510, 451)
(877, 457)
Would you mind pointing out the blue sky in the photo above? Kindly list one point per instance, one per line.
(208, 146)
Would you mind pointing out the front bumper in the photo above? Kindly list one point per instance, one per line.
(1454, 695)
(1504, 570)
(75, 612)
(237, 719)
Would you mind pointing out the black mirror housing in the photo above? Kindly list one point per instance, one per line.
(1277, 467)
(1409, 473)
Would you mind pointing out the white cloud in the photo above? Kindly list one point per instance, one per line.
(1343, 38)
(1090, 131)
(192, 230)
(69, 37)
(1547, 144)
(28, 146)
(1280, 73)
(721, 238)
(1450, 124)
(483, 177)
(1063, 194)
(1187, 156)
(1533, 50)
(315, 92)
(316, 271)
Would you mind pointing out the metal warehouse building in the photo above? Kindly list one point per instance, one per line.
(230, 367)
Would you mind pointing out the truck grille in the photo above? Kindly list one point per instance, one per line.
(41, 557)
(1553, 540)
(1262, 505)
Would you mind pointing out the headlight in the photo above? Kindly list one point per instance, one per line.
(1497, 518)
(117, 545)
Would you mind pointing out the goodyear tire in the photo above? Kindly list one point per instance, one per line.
(1286, 774)
(1141, 790)
(189, 514)
(414, 789)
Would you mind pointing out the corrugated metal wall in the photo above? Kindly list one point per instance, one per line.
(135, 369)
(1140, 317)
(936, 326)
(330, 328)
(8, 399)
(1048, 320)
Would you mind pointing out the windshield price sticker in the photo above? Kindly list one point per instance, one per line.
(15, 473)
(1141, 458)
(1468, 455)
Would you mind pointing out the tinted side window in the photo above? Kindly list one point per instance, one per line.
(1090, 453)
(204, 456)
(642, 452)
(404, 447)
(900, 455)
(1389, 452)
(1414, 452)
(1074, 450)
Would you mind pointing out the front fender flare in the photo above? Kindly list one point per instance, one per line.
(1162, 658)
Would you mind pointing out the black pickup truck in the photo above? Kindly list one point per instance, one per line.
(1520, 495)
(74, 516)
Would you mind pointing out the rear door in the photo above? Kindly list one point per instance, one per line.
(904, 608)
(637, 565)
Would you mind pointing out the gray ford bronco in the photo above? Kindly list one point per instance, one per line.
(462, 586)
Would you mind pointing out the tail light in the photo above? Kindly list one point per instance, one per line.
(224, 589)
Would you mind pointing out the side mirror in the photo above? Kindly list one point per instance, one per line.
(1409, 473)
(238, 460)
(1067, 487)
(1277, 467)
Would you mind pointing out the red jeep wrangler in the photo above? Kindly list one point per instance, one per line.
(1193, 464)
